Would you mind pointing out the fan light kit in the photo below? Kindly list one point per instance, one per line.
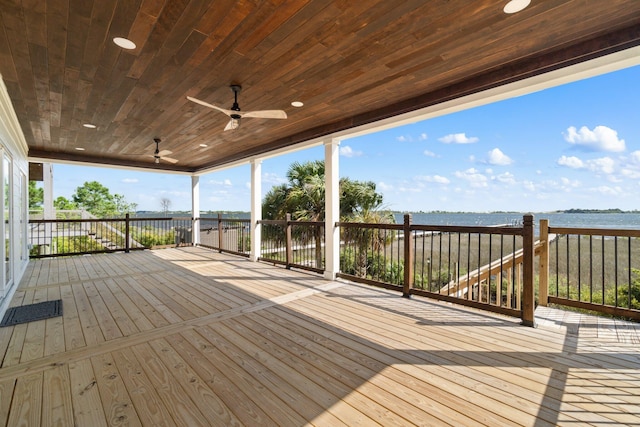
(235, 114)
(161, 155)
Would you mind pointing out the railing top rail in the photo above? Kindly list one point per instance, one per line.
(596, 231)
(508, 230)
(285, 222)
(370, 225)
(54, 221)
(161, 218)
(50, 221)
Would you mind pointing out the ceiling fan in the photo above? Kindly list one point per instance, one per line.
(161, 155)
(235, 114)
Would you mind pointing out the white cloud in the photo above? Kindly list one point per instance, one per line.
(571, 162)
(437, 179)
(601, 138)
(605, 190)
(347, 151)
(225, 182)
(272, 178)
(497, 157)
(423, 137)
(604, 165)
(458, 138)
(130, 180)
(429, 153)
(530, 186)
(566, 182)
(403, 138)
(506, 178)
(384, 187)
(473, 177)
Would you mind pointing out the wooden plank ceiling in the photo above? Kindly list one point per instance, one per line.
(350, 63)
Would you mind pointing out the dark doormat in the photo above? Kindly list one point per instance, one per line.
(32, 312)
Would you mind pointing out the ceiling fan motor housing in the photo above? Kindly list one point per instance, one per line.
(236, 90)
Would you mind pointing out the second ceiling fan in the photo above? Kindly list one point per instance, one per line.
(235, 114)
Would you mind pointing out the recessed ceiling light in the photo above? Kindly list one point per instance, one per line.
(89, 125)
(124, 43)
(297, 104)
(203, 145)
(515, 6)
(79, 148)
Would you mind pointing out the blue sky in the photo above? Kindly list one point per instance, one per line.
(573, 146)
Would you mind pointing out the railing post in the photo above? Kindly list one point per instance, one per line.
(127, 234)
(219, 232)
(528, 254)
(543, 266)
(289, 251)
(408, 258)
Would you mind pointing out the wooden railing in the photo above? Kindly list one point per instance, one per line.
(290, 243)
(590, 269)
(61, 237)
(491, 268)
(485, 267)
(226, 235)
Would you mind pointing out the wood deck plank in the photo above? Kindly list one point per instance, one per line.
(148, 305)
(132, 311)
(211, 406)
(107, 323)
(6, 389)
(26, 404)
(116, 402)
(57, 409)
(90, 327)
(54, 339)
(296, 391)
(88, 410)
(73, 335)
(125, 324)
(145, 398)
(189, 336)
(317, 363)
(174, 398)
(211, 371)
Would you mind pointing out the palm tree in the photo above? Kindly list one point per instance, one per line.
(304, 198)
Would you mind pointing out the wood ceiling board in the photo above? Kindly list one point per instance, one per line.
(349, 63)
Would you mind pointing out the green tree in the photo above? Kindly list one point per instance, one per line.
(98, 200)
(36, 196)
(63, 204)
(304, 198)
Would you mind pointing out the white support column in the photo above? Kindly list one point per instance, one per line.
(256, 208)
(47, 183)
(195, 209)
(332, 208)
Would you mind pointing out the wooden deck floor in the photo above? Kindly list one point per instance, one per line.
(191, 337)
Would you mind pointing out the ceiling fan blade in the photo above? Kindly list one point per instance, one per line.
(206, 104)
(232, 125)
(169, 159)
(164, 153)
(265, 114)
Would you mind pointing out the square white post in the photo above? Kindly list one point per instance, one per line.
(256, 208)
(332, 208)
(195, 209)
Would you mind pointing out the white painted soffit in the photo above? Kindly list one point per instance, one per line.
(595, 67)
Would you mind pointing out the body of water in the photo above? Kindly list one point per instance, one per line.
(587, 220)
